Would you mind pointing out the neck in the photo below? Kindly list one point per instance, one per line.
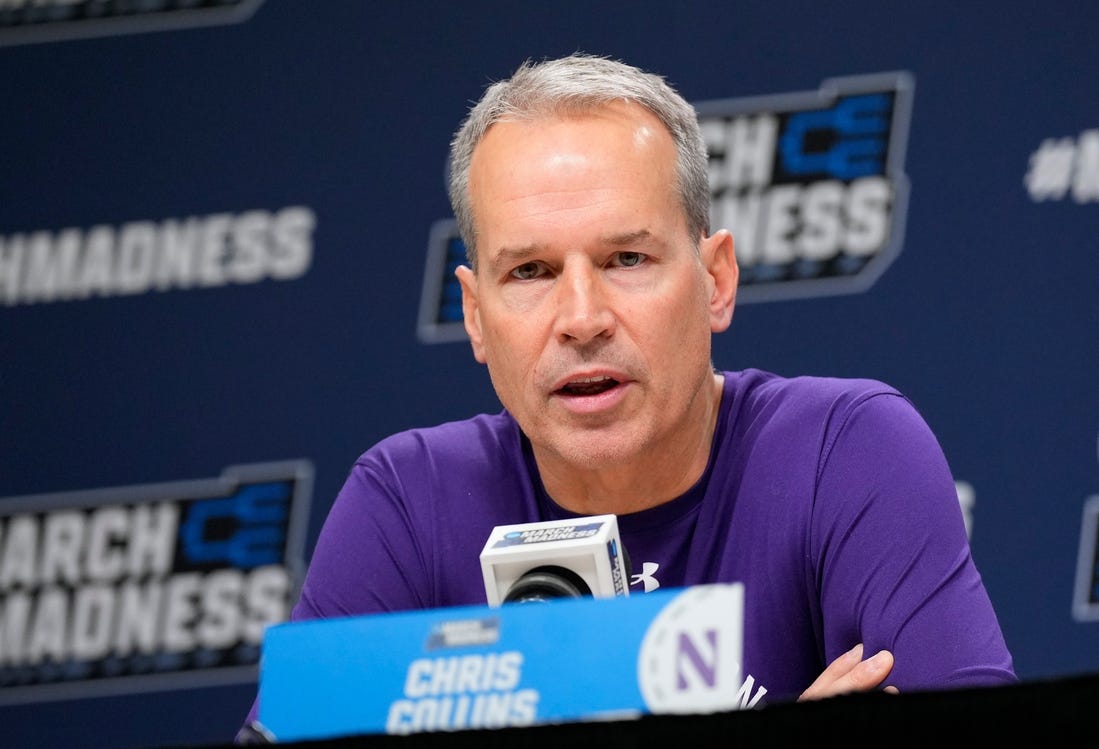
(660, 474)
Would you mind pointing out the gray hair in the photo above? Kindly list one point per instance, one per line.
(577, 83)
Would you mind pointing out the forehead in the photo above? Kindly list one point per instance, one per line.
(573, 167)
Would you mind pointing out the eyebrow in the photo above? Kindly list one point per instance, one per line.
(507, 256)
(629, 238)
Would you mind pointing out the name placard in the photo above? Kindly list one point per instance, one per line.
(668, 651)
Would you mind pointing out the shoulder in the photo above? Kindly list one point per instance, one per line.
(449, 444)
(755, 389)
(472, 463)
(812, 413)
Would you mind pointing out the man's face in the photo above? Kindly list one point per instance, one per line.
(591, 305)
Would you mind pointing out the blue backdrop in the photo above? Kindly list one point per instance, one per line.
(215, 222)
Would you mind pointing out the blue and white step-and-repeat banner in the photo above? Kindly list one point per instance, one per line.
(225, 271)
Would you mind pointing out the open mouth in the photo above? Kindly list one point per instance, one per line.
(588, 386)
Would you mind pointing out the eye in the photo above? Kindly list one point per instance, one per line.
(528, 271)
(628, 259)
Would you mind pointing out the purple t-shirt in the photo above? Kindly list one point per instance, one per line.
(830, 499)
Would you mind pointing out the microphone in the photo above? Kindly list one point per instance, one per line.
(555, 559)
(253, 732)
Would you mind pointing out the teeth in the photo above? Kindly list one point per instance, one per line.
(589, 380)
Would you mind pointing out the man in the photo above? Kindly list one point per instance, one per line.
(593, 289)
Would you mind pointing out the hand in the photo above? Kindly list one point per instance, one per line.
(850, 673)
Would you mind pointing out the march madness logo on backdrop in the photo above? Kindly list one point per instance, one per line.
(1085, 604)
(162, 585)
(811, 185)
(30, 21)
(142, 257)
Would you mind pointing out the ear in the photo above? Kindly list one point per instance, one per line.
(719, 260)
(470, 310)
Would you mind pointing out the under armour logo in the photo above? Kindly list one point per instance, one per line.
(648, 569)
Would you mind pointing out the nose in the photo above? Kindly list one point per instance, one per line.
(583, 312)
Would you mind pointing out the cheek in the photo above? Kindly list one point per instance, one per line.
(684, 315)
(684, 333)
(506, 354)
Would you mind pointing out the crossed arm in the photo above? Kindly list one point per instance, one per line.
(851, 673)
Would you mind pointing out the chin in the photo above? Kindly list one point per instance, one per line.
(595, 451)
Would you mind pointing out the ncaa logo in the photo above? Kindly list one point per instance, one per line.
(811, 185)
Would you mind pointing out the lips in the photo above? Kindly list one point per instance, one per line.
(588, 385)
(592, 393)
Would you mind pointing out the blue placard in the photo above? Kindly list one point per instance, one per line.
(675, 650)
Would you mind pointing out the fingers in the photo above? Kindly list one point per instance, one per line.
(850, 673)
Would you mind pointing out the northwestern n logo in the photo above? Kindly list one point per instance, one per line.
(691, 655)
(692, 668)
